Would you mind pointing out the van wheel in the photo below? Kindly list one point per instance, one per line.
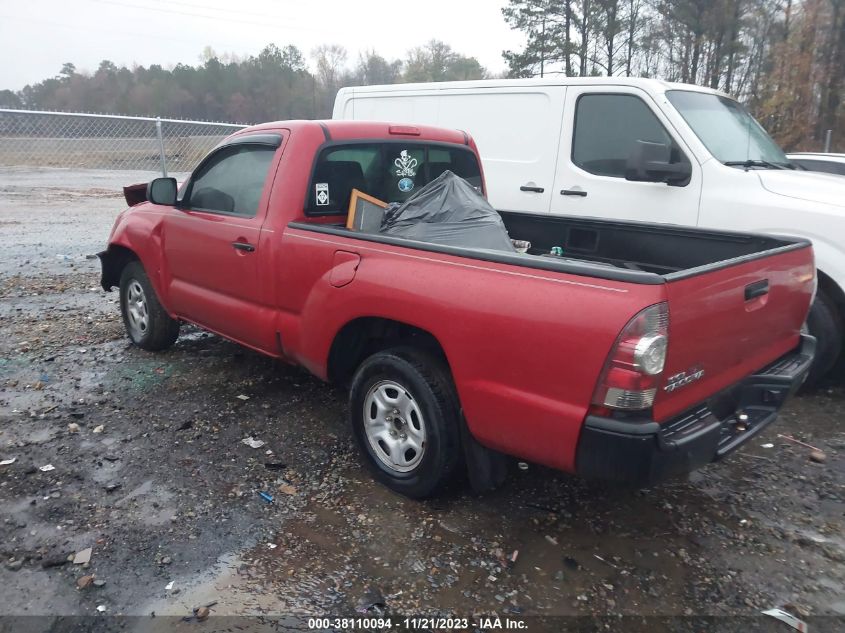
(824, 323)
(146, 321)
(405, 418)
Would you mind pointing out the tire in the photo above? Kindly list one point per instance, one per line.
(406, 393)
(146, 321)
(824, 323)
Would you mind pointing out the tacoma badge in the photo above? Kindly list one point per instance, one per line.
(684, 378)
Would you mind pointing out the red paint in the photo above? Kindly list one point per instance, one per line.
(525, 346)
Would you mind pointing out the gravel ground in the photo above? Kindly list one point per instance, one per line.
(149, 470)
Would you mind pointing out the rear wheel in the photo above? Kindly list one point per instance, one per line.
(825, 324)
(146, 321)
(405, 419)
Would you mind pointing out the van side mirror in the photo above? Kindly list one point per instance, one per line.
(162, 191)
(650, 162)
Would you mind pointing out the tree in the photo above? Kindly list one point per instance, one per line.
(436, 61)
(373, 69)
(9, 99)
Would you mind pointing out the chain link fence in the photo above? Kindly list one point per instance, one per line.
(98, 141)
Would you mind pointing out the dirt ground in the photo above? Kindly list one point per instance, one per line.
(149, 470)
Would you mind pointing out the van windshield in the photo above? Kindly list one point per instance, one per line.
(726, 128)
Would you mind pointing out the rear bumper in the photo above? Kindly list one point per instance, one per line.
(645, 452)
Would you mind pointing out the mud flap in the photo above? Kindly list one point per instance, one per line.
(486, 469)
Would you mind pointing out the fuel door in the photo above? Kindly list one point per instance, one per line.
(344, 266)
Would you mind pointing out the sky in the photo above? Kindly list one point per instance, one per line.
(38, 36)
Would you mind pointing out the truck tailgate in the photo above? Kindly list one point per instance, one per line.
(729, 322)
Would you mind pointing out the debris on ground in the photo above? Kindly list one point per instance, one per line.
(820, 457)
(8, 462)
(372, 600)
(266, 496)
(243, 397)
(73, 427)
(85, 581)
(789, 438)
(46, 468)
(14, 564)
(56, 560)
(605, 561)
(83, 556)
(99, 429)
(787, 618)
(200, 613)
(252, 442)
(287, 489)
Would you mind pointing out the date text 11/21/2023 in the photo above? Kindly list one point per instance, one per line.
(416, 623)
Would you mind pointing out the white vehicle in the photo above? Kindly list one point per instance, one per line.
(820, 161)
(634, 149)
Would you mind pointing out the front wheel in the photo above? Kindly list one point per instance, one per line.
(825, 324)
(405, 419)
(146, 321)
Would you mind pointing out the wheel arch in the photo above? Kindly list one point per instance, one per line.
(113, 260)
(364, 336)
(833, 291)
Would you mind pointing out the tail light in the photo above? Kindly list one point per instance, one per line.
(632, 371)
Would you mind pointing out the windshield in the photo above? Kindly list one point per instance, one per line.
(731, 134)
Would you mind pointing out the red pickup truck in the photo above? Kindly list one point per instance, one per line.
(641, 352)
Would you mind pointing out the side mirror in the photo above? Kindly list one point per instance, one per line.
(162, 191)
(649, 162)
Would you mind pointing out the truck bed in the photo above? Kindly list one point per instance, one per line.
(671, 251)
(633, 252)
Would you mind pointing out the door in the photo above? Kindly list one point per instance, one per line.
(213, 240)
(517, 131)
(601, 128)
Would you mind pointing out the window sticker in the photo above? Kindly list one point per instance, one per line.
(406, 185)
(322, 194)
(406, 166)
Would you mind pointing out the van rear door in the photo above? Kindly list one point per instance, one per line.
(517, 130)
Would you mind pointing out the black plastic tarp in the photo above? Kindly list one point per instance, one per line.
(450, 211)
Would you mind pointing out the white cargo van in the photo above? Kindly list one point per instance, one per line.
(634, 149)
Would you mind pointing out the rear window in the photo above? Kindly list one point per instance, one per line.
(391, 172)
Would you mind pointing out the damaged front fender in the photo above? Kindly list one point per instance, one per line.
(113, 260)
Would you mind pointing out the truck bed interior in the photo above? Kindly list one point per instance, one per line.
(660, 249)
(608, 249)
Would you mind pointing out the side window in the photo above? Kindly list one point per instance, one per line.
(231, 181)
(607, 127)
(391, 172)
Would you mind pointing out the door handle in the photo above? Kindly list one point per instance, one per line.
(573, 192)
(757, 289)
(243, 246)
(530, 188)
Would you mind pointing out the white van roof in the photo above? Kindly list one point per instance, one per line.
(653, 86)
